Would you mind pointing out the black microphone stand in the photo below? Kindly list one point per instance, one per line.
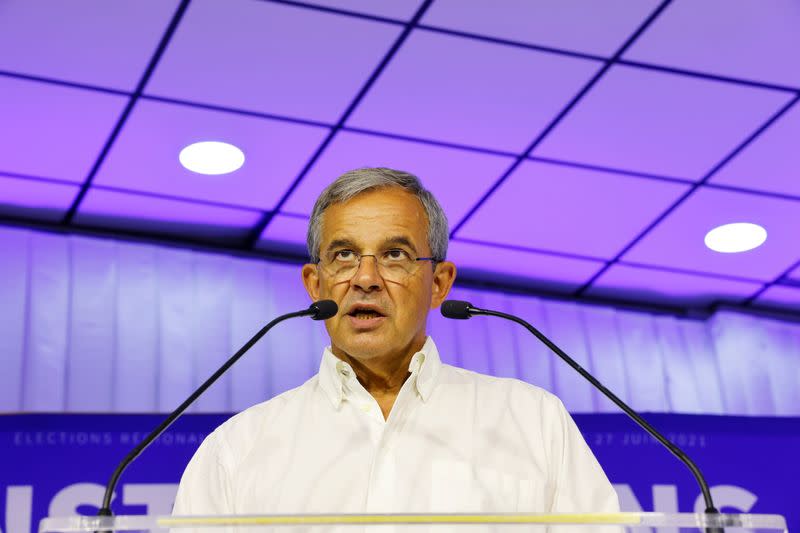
(463, 310)
(318, 311)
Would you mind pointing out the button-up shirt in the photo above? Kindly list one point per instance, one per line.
(454, 441)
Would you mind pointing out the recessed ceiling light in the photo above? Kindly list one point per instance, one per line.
(211, 157)
(736, 237)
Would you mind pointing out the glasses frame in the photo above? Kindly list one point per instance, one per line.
(433, 261)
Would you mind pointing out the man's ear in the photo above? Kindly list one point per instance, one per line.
(443, 277)
(311, 280)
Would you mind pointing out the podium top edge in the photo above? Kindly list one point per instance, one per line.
(150, 522)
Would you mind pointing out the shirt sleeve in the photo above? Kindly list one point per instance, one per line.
(205, 484)
(581, 485)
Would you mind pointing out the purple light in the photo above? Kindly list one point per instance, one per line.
(112, 209)
(781, 296)
(37, 199)
(675, 288)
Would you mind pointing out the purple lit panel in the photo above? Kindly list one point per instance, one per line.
(396, 9)
(96, 42)
(780, 296)
(470, 92)
(438, 168)
(53, 132)
(552, 272)
(743, 39)
(589, 27)
(677, 241)
(145, 158)
(273, 58)
(133, 212)
(794, 274)
(570, 210)
(35, 199)
(771, 162)
(673, 288)
(659, 123)
(285, 233)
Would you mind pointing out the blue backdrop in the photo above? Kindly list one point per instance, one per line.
(58, 464)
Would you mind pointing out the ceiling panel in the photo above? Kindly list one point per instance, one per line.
(780, 296)
(285, 233)
(771, 162)
(659, 123)
(145, 158)
(272, 77)
(669, 288)
(147, 214)
(437, 166)
(748, 39)
(35, 199)
(597, 28)
(51, 131)
(272, 58)
(794, 274)
(677, 242)
(96, 42)
(570, 210)
(396, 9)
(552, 272)
(470, 92)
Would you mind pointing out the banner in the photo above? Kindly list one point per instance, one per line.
(58, 464)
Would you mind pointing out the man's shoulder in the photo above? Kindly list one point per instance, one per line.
(247, 425)
(513, 389)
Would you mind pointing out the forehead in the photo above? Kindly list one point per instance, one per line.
(374, 216)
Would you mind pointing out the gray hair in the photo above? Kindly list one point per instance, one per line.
(361, 180)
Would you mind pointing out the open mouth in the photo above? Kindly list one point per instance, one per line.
(364, 314)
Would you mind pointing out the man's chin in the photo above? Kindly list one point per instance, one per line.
(364, 345)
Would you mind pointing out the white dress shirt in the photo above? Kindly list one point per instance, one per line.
(455, 441)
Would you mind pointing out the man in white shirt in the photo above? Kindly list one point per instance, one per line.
(385, 426)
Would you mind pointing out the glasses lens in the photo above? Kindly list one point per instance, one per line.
(392, 265)
(396, 268)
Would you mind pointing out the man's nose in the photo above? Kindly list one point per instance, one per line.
(367, 276)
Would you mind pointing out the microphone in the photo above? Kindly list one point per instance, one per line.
(456, 309)
(323, 310)
(320, 310)
(460, 310)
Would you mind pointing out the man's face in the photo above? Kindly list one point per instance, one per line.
(378, 222)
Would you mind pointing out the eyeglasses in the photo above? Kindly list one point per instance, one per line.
(394, 264)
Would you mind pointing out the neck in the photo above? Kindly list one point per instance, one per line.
(383, 375)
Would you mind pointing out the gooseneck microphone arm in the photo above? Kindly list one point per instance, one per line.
(320, 310)
(463, 310)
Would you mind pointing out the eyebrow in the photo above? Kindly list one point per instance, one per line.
(398, 240)
(340, 243)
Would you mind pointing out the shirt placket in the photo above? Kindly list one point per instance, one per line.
(381, 494)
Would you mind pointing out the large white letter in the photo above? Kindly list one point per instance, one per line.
(68, 499)
(19, 504)
(665, 500)
(728, 496)
(627, 499)
(158, 497)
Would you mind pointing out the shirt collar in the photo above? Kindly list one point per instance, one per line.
(334, 374)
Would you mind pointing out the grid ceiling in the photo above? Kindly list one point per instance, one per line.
(578, 148)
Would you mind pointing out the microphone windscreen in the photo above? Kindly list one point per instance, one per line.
(324, 309)
(456, 309)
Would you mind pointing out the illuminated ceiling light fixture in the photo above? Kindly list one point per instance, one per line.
(736, 237)
(211, 158)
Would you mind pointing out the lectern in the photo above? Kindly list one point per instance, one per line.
(417, 523)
